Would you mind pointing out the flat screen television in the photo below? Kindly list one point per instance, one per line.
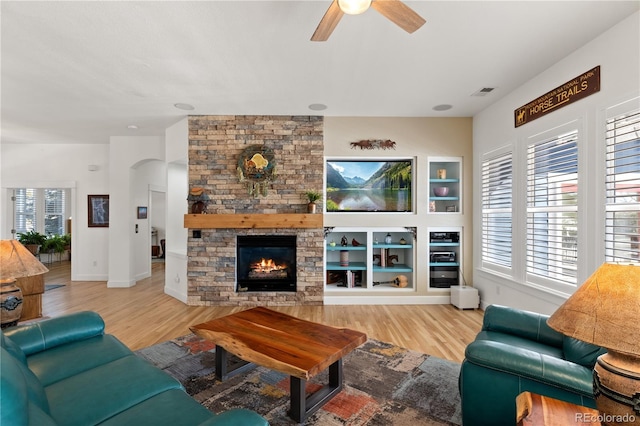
(369, 185)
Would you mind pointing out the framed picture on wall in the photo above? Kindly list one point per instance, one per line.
(98, 211)
(142, 212)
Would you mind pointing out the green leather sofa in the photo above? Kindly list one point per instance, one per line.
(66, 371)
(517, 351)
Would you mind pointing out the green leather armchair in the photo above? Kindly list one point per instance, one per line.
(517, 351)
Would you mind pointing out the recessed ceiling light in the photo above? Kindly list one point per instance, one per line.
(442, 107)
(186, 107)
(317, 107)
(132, 127)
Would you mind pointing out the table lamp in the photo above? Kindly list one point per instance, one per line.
(17, 264)
(605, 311)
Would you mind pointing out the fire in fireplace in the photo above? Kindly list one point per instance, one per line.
(267, 268)
(266, 263)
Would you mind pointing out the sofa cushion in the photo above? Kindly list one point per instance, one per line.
(520, 342)
(96, 395)
(175, 407)
(20, 391)
(43, 335)
(73, 358)
(170, 408)
(530, 325)
(38, 417)
(12, 349)
(580, 352)
(550, 370)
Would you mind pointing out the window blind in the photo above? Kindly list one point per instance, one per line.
(552, 207)
(54, 214)
(497, 186)
(25, 208)
(622, 221)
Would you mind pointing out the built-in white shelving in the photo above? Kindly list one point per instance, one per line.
(369, 261)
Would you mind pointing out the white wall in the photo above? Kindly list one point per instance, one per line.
(617, 52)
(145, 176)
(127, 174)
(177, 146)
(126, 154)
(62, 165)
(158, 210)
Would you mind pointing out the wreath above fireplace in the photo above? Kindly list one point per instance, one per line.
(257, 169)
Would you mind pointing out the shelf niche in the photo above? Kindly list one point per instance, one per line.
(445, 172)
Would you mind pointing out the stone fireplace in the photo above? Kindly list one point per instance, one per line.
(215, 144)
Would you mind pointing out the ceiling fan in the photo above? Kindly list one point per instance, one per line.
(394, 10)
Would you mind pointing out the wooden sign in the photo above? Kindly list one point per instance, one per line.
(573, 90)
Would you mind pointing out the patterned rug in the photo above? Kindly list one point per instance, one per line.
(384, 385)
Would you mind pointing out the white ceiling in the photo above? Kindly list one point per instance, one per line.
(81, 71)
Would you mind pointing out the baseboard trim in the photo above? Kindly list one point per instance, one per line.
(89, 277)
(175, 294)
(120, 284)
(377, 300)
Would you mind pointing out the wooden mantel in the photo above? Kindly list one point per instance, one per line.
(261, 220)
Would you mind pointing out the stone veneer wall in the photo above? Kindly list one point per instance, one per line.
(215, 143)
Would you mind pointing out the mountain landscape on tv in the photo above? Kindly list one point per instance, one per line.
(368, 186)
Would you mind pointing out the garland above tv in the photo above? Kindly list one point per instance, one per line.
(374, 144)
(369, 185)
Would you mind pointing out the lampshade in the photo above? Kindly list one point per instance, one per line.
(354, 7)
(605, 310)
(17, 262)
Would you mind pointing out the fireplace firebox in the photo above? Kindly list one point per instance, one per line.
(266, 263)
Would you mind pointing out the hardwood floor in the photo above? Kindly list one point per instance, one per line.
(143, 315)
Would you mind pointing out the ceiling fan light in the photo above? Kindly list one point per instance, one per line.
(354, 7)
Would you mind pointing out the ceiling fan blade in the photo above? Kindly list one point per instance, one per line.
(328, 23)
(399, 13)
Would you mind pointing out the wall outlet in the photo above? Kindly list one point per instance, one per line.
(498, 290)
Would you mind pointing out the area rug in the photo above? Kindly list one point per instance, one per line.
(384, 385)
(48, 287)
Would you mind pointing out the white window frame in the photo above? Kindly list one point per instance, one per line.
(489, 159)
(560, 283)
(40, 209)
(616, 251)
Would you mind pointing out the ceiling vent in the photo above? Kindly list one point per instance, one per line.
(484, 91)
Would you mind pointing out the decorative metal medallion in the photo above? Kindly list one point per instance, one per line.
(257, 169)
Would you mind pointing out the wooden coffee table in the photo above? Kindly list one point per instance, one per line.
(286, 344)
(539, 410)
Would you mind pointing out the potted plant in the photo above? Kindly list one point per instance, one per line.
(312, 197)
(67, 241)
(32, 240)
(54, 244)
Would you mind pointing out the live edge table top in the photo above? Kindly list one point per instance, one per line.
(280, 342)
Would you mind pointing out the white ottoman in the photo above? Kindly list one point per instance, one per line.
(464, 297)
